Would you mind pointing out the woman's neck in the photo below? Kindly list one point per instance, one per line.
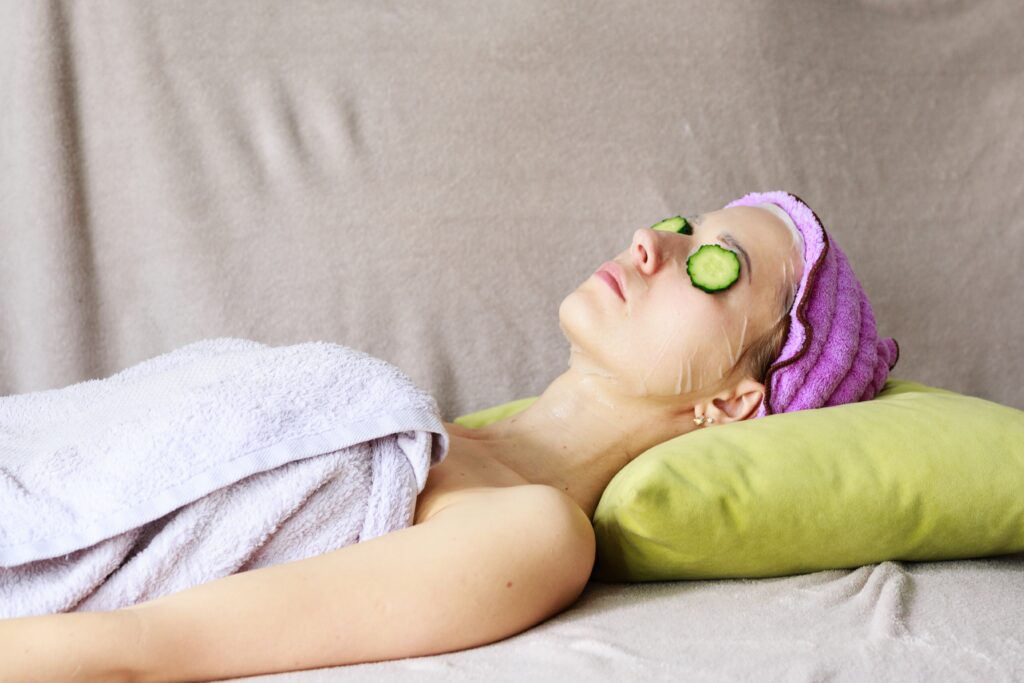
(579, 433)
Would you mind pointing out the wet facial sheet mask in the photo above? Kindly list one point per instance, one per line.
(690, 377)
(690, 372)
(788, 269)
(687, 372)
(798, 239)
(677, 366)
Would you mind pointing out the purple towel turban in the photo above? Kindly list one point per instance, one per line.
(832, 354)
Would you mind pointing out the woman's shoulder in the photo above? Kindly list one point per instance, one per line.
(541, 496)
(540, 526)
(541, 515)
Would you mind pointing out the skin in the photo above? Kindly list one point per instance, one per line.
(641, 370)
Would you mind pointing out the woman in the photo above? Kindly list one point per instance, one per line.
(501, 537)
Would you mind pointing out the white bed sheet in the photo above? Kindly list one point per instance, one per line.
(893, 621)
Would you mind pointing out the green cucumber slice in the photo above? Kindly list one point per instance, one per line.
(713, 268)
(674, 224)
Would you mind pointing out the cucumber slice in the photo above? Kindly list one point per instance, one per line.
(713, 268)
(675, 224)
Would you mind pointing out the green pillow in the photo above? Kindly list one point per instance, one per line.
(917, 473)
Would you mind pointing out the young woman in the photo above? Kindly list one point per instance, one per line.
(662, 342)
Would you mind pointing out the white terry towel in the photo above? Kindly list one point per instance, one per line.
(219, 457)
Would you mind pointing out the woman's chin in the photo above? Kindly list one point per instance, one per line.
(578, 319)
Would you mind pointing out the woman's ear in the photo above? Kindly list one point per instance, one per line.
(739, 404)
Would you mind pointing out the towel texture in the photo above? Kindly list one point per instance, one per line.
(832, 354)
(219, 457)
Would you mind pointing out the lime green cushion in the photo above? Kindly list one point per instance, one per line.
(918, 473)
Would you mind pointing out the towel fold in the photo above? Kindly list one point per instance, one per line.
(222, 456)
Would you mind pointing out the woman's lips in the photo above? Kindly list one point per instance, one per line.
(612, 274)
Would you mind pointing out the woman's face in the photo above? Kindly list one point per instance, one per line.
(669, 337)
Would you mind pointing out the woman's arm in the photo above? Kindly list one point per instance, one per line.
(86, 647)
(480, 570)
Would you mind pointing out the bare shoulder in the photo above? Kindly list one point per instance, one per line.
(532, 530)
(542, 512)
(534, 514)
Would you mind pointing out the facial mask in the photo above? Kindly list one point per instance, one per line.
(798, 239)
(711, 268)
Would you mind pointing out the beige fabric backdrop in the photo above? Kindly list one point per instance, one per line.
(427, 181)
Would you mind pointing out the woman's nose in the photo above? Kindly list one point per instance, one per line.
(645, 252)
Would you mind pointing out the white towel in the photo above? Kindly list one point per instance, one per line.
(222, 456)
